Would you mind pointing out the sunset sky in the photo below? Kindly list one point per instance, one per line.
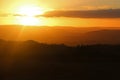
(39, 7)
(11, 5)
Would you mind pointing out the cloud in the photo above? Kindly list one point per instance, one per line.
(103, 13)
(95, 7)
(14, 15)
(108, 13)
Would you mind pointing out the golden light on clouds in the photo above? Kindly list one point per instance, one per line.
(28, 13)
(30, 10)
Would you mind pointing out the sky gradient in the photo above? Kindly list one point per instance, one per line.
(65, 13)
(11, 5)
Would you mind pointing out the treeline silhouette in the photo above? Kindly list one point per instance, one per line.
(30, 60)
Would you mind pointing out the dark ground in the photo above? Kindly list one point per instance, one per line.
(34, 61)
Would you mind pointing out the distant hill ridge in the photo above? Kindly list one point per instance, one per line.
(61, 35)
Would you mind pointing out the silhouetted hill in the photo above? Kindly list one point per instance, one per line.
(102, 37)
(30, 60)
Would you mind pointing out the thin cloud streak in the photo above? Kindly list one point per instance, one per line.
(14, 15)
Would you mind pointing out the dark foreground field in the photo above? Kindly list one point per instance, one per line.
(30, 60)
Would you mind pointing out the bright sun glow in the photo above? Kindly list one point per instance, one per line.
(28, 21)
(30, 10)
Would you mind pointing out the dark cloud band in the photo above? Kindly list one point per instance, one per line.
(111, 13)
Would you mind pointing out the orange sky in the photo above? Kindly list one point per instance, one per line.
(13, 7)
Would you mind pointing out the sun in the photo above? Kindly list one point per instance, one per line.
(28, 14)
(30, 10)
